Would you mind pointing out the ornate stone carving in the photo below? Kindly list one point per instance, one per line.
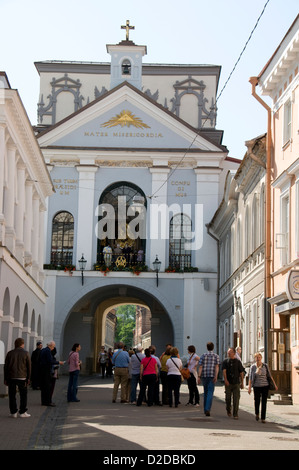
(192, 86)
(58, 86)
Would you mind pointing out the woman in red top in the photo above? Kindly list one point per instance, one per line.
(148, 377)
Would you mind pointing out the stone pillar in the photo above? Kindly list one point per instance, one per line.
(28, 224)
(2, 154)
(20, 212)
(35, 237)
(207, 198)
(86, 213)
(9, 200)
(41, 245)
(158, 240)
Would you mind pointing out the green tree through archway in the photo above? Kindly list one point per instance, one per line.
(126, 322)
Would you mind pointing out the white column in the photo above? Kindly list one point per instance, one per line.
(159, 192)
(35, 236)
(86, 213)
(9, 200)
(20, 212)
(28, 223)
(207, 191)
(41, 244)
(2, 153)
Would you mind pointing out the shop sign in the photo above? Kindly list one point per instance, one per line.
(292, 285)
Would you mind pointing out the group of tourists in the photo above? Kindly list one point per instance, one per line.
(139, 374)
(135, 367)
(41, 371)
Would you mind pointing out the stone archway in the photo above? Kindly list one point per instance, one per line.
(86, 319)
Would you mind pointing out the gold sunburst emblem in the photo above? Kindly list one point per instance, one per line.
(126, 119)
(121, 262)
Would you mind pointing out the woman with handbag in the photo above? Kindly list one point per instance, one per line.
(174, 377)
(259, 379)
(192, 379)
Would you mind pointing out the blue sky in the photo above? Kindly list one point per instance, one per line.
(189, 32)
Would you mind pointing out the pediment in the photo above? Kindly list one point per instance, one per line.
(125, 118)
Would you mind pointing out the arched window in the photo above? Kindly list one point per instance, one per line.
(62, 239)
(121, 226)
(180, 234)
(126, 67)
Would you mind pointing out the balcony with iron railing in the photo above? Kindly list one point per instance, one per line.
(131, 262)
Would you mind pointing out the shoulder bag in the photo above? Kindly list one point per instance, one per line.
(186, 372)
(182, 377)
(271, 382)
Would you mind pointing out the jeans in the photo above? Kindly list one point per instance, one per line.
(45, 384)
(164, 383)
(208, 387)
(148, 382)
(258, 393)
(103, 369)
(73, 386)
(174, 383)
(12, 391)
(135, 380)
(232, 391)
(193, 390)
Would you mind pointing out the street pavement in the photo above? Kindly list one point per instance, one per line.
(117, 430)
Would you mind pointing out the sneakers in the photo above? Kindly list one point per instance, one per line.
(14, 415)
(25, 415)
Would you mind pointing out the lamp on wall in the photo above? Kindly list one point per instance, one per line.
(157, 265)
(82, 264)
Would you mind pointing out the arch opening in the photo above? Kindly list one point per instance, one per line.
(92, 323)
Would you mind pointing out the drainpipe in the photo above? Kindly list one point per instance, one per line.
(268, 294)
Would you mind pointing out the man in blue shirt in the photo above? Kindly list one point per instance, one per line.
(120, 361)
(207, 374)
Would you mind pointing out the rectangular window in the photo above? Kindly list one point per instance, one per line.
(285, 229)
(287, 122)
(297, 220)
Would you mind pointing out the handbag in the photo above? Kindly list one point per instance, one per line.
(185, 373)
(271, 382)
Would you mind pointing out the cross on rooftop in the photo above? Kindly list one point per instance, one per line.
(127, 27)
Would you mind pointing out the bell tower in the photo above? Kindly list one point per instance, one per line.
(126, 60)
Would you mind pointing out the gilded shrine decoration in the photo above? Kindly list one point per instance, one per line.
(126, 119)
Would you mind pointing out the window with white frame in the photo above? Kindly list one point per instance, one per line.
(285, 229)
(255, 223)
(262, 214)
(287, 122)
(297, 220)
(261, 324)
(247, 235)
(239, 244)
